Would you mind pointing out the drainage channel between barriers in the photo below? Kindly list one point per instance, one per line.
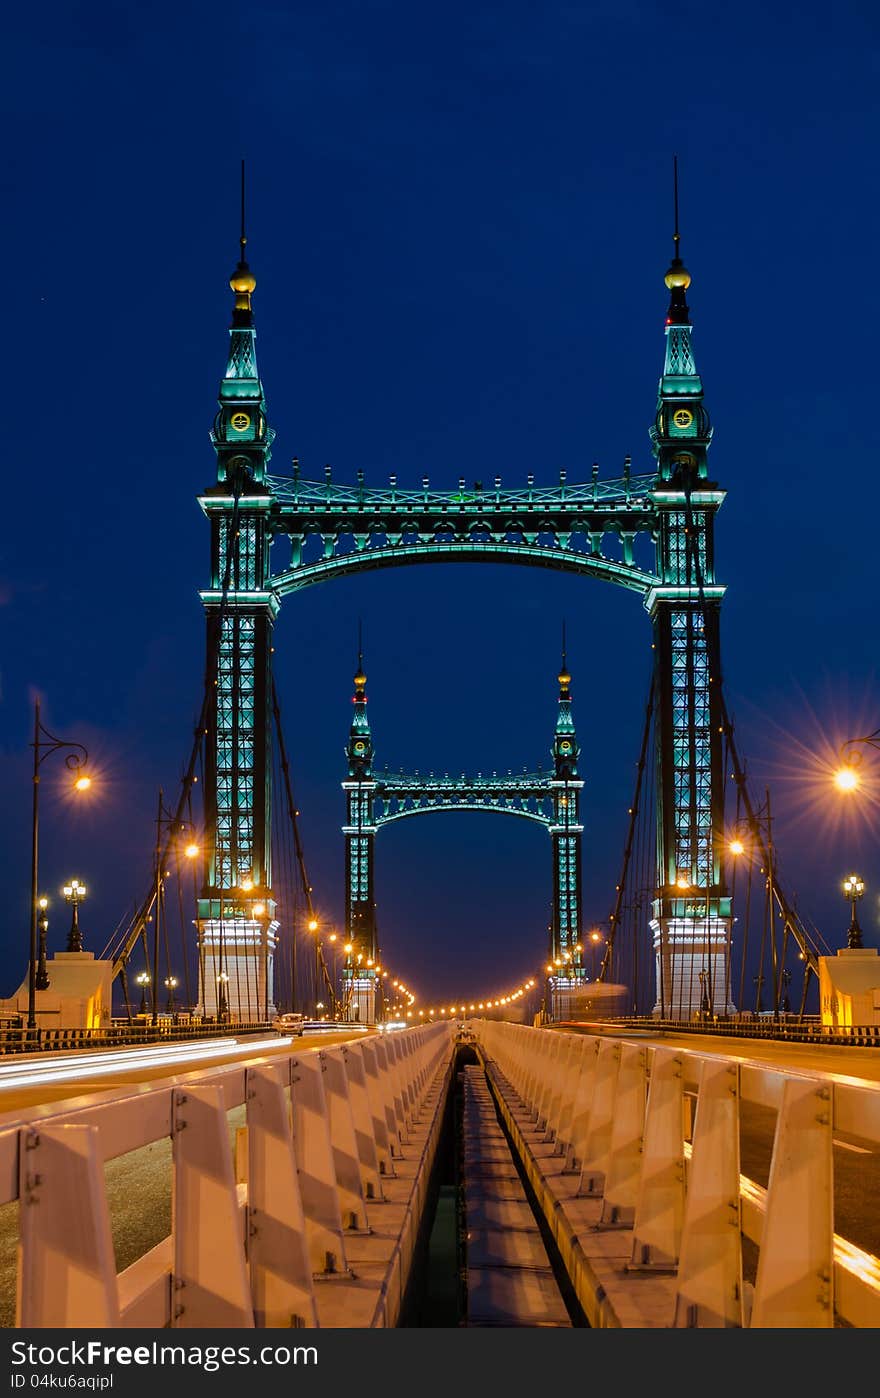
(486, 1256)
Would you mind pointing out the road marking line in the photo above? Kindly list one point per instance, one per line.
(845, 1145)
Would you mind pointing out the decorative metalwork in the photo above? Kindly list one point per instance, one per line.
(375, 800)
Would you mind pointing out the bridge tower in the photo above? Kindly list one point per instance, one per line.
(236, 910)
(566, 948)
(359, 977)
(691, 920)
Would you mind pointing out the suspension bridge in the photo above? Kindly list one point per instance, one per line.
(603, 1160)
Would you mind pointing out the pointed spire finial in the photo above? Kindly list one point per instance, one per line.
(677, 278)
(242, 281)
(564, 677)
(243, 239)
(676, 236)
(360, 678)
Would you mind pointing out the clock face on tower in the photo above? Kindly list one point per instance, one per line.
(360, 747)
(241, 422)
(682, 417)
(565, 746)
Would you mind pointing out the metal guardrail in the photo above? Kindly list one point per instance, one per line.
(786, 1029)
(18, 1039)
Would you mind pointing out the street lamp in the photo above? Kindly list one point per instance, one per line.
(222, 1005)
(847, 777)
(170, 983)
(705, 1009)
(74, 893)
(42, 978)
(143, 980)
(853, 888)
(76, 760)
(595, 938)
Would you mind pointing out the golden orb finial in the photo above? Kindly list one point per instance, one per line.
(564, 678)
(242, 281)
(360, 680)
(678, 275)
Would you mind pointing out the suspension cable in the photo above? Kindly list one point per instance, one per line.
(614, 919)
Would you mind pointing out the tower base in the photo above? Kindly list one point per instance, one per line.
(359, 1000)
(692, 957)
(243, 952)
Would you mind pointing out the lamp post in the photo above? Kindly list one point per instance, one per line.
(222, 1005)
(42, 977)
(853, 888)
(595, 939)
(170, 983)
(143, 980)
(785, 1006)
(44, 744)
(704, 994)
(174, 828)
(74, 893)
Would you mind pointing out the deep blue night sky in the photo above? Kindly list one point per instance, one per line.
(459, 220)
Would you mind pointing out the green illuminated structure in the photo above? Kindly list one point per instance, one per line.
(374, 800)
(649, 532)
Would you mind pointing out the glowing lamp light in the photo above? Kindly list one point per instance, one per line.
(737, 847)
(313, 924)
(682, 882)
(846, 779)
(191, 851)
(82, 783)
(853, 886)
(259, 909)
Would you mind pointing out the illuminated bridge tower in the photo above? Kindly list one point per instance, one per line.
(691, 912)
(566, 949)
(359, 983)
(236, 910)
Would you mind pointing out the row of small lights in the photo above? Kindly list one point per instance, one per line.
(486, 1004)
(368, 963)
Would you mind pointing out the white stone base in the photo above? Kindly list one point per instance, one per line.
(849, 987)
(359, 997)
(79, 994)
(683, 947)
(245, 950)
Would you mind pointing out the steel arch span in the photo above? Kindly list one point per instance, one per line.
(375, 800)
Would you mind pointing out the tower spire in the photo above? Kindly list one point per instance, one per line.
(678, 278)
(681, 432)
(359, 752)
(565, 748)
(241, 435)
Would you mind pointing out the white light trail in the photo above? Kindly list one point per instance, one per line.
(83, 1066)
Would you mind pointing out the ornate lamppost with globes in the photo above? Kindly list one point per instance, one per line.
(143, 979)
(42, 976)
(853, 889)
(74, 893)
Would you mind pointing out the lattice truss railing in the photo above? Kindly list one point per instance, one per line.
(529, 794)
(335, 528)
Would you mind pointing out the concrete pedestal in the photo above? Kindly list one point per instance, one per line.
(684, 947)
(849, 987)
(79, 994)
(242, 949)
